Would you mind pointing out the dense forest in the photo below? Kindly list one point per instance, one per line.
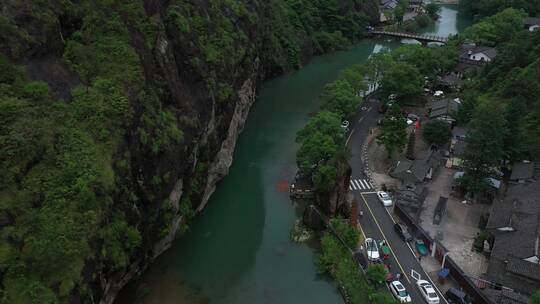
(113, 116)
(485, 8)
(501, 105)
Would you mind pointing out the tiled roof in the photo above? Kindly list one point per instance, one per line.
(522, 170)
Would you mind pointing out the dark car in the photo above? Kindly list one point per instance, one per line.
(457, 296)
(403, 232)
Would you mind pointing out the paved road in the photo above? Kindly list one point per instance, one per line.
(377, 222)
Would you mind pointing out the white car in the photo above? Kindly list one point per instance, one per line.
(428, 292)
(438, 93)
(399, 291)
(372, 250)
(384, 198)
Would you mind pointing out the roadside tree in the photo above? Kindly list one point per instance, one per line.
(393, 132)
(376, 274)
(484, 152)
(355, 76)
(437, 132)
(315, 149)
(403, 79)
(324, 122)
(339, 97)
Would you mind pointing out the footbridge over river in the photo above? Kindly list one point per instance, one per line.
(424, 39)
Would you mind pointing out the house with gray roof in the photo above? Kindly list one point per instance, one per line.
(450, 81)
(471, 51)
(459, 133)
(444, 108)
(388, 4)
(514, 225)
(522, 171)
(473, 58)
(416, 171)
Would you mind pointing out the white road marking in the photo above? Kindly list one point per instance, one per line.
(360, 184)
(365, 182)
(385, 238)
(348, 138)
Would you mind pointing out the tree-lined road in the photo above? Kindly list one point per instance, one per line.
(376, 221)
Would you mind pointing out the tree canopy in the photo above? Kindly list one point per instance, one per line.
(393, 131)
(437, 132)
(339, 97)
(497, 28)
(403, 79)
(484, 152)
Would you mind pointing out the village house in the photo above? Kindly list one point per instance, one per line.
(522, 171)
(531, 24)
(444, 109)
(423, 168)
(514, 227)
(411, 198)
(388, 4)
(457, 148)
(415, 5)
(448, 82)
(470, 51)
(473, 58)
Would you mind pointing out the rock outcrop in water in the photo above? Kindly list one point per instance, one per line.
(119, 119)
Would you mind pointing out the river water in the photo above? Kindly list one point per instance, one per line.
(238, 250)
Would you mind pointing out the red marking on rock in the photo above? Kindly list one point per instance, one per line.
(282, 186)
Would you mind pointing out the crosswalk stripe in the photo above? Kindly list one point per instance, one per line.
(360, 184)
(365, 185)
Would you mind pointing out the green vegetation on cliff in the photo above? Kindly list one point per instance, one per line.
(104, 107)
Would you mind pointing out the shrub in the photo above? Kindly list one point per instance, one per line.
(36, 90)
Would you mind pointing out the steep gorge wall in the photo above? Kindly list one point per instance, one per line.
(119, 119)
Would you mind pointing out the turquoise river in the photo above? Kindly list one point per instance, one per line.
(239, 250)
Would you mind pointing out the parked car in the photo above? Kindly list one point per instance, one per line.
(372, 250)
(385, 250)
(385, 199)
(457, 296)
(399, 292)
(421, 247)
(403, 232)
(412, 117)
(438, 94)
(428, 292)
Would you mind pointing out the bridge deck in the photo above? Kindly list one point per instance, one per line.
(429, 38)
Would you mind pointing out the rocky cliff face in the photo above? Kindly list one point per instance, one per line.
(119, 119)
